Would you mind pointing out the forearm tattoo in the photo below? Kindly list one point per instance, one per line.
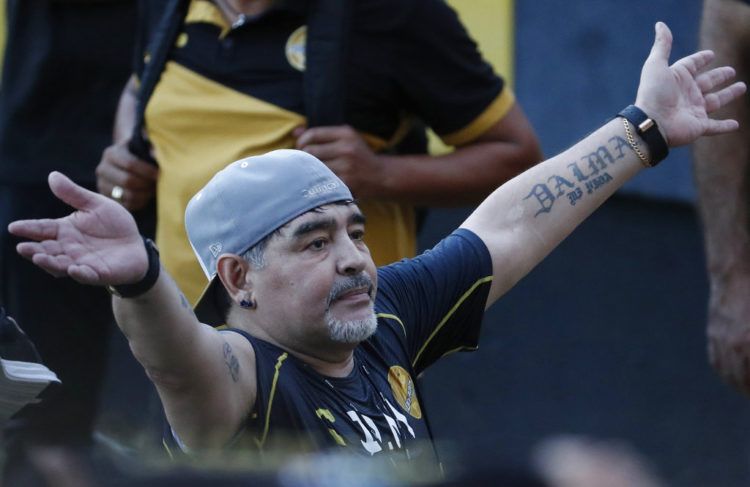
(231, 361)
(583, 177)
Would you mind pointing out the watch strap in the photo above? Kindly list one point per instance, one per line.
(648, 130)
(147, 282)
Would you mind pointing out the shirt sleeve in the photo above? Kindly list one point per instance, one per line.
(438, 297)
(445, 79)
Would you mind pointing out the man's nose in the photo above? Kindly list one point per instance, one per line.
(351, 259)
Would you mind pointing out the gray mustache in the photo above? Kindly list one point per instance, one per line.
(346, 284)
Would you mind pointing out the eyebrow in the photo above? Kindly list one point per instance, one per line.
(325, 224)
(357, 218)
(313, 226)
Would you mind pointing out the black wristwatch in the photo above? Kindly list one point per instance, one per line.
(647, 129)
(152, 275)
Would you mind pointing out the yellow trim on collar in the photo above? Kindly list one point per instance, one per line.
(206, 12)
(389, 316)
(489, 117)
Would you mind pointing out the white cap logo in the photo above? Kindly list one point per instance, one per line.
(215, 249)
(319, 189)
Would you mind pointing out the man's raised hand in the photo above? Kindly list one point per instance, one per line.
(97, 244)
(681, 96)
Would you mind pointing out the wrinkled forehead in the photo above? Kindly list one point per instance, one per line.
(344, 211)
(339, 213)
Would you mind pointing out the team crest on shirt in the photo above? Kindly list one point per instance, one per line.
(295, 48)
(404, 391)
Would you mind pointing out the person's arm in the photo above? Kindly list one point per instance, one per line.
(523, 220)
(205, 379)
(722, 175)
(464, 176)
(454, 91)
(118, 166)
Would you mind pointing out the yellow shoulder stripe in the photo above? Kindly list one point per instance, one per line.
(449, 314)
(276, 374)
(489, 117)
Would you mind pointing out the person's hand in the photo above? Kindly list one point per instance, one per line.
(98, 244)
(680, 97)
(343, 150)
(729, 329)
(125, 178)
(577, 461)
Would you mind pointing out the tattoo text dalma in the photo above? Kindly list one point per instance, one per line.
(584, 176)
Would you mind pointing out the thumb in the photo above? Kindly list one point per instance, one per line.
(662, 47)
(69, 192)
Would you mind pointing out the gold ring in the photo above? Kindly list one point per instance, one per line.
(116, 193)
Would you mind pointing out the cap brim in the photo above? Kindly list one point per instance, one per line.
(212, 305)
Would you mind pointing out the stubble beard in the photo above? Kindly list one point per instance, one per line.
(351, 331)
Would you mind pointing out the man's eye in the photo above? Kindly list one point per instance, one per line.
(357, 235)
(317, 244)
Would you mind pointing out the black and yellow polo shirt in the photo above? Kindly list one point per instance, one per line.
(228, 93)
(427, 307)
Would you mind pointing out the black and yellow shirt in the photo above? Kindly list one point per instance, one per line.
(426, 307)
(227, 93)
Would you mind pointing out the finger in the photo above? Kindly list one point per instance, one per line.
(119, 156)
(716, 100)
(717, 127)
(323, 135)
(662, 46)
(45, 229)
(136, 200)
(298, 131)
(45, 247)
(117, 176)
(324, 152)
(141, 168)
(695, 62)
(83, 274)
(343, 169)
(55, 265)
(72, 194)
(29, 249)
(711, 79)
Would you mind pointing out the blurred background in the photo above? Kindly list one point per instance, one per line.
(606, 338)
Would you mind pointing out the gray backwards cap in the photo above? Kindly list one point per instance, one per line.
(245, 202)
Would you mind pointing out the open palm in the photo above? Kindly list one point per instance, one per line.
(680, 97)
(98, 244)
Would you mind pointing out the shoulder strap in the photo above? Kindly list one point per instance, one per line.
(158, 51)
(328, 25)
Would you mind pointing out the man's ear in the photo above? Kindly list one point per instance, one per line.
(234, 272)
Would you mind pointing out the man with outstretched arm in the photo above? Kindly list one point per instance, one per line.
(322, 347)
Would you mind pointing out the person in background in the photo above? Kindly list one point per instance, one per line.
(64, 66)
(722, 175)
(348, 82)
